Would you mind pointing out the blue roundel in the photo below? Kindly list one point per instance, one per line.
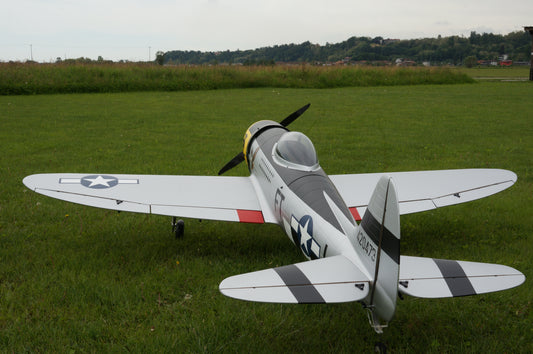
(99, 181)
(307, 221)
(302, 235)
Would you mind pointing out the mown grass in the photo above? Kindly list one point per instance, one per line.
(24, 78)
(497, 72)
(74, 278)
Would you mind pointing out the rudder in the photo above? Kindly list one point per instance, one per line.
(379, 247)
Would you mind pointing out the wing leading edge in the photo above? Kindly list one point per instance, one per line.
(201, 197)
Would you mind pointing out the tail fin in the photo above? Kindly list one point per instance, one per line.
(378, 238)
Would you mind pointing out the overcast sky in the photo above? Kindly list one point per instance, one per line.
(135, 29)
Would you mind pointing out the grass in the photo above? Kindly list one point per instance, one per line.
(18, 78)
(74, 278)
(514, 72)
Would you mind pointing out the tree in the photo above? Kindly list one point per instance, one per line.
(160, 57)
(452, 49)
(470, 61)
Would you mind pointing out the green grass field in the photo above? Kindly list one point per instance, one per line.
(79, 279)
(514, 72)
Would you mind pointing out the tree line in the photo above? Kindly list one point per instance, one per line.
(438, 51)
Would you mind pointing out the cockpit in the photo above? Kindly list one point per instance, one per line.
(295, 150)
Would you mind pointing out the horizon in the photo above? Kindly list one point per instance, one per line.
(152, 53)
(136, 30)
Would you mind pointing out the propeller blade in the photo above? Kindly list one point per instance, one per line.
(240, 156)
(233, 162)
(292, 117)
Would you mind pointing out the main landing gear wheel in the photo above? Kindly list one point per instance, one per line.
(178, 227)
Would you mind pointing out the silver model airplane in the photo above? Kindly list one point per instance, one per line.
(351, 258)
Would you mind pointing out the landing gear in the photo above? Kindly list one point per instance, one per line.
(380, 347)
(374, 320)
(178, 227)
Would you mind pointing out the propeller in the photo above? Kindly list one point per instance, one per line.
(292, 117)
(240, 156)
(233, 162)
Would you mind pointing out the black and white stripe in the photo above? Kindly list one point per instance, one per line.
(455, 277)
(390, 244)
(299, 285)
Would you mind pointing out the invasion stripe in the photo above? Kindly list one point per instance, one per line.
(455, 277)
(390, 244)
(299, 285)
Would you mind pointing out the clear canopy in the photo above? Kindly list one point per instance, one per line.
(296, 148)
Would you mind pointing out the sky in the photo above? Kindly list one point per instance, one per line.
(136, 29)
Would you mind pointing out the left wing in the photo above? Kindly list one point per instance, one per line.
(324, 280)
(201, 197)
(424, 190)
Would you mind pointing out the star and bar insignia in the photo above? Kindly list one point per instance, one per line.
(98, 181)
(302, 234)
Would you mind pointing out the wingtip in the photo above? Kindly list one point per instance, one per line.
(514, 177)
(28, 182)
(509, 175)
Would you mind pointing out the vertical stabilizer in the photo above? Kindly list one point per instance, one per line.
(378, 241)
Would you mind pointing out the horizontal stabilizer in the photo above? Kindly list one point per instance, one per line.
(325, 280)
(438, 278)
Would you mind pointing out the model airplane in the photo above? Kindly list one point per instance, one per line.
(351, 258)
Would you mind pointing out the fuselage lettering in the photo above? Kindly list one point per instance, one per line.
(366, 246)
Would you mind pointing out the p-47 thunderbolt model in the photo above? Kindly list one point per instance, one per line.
(347, 226)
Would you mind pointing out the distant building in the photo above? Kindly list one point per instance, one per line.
(403, 62)
(506, 62)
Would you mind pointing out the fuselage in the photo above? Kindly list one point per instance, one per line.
(305, 203)
(299, 193)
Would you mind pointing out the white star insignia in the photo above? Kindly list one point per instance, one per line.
(304, 234)
(99, 181)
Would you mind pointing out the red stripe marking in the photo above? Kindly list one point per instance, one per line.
(355, 214)
(251, 216)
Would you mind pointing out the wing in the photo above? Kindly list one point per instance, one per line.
(438, 278)
(424, 190)
(202, 197)
(325, 280)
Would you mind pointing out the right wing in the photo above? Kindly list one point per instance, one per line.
(324, 280)
(424, 190)
(438, 278)
(201, 197)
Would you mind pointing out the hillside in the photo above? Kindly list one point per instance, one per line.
(442, 50)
